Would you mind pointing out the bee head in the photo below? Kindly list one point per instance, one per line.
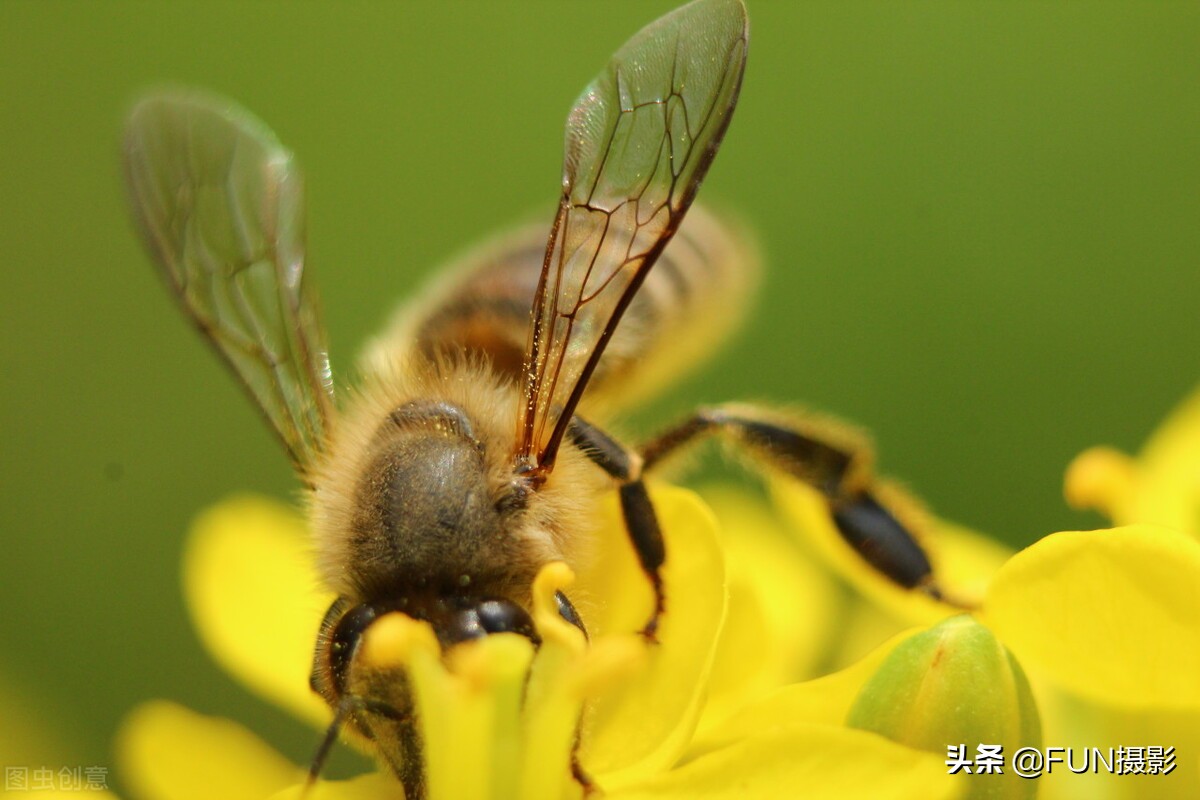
(454, 619)
(377, 703)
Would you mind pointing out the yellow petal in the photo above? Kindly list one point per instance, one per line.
(253, 593)
(824, 701)
(477, 720)
(1170, 471)
(861, 627)
(1105, 480)
(611, 590)
(566, 670)
(783, 609)
(392, 639)
(1113, 615)
(809, 761)
(468, 707)
(1160, 487)
(1082, 725)
(642, 726)
(967, 561)
(168, 752)
(963, 560)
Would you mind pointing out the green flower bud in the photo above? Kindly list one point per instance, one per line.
(955, 686)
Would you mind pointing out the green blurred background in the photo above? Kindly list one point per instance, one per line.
(980, 222)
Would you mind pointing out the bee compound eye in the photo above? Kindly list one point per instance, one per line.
(344, 641)
(505, 616)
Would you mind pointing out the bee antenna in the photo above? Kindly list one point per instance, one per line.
(344, 708)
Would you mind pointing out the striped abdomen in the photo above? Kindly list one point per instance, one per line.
(690, 300)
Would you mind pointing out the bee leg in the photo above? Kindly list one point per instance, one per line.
(341, 715)
(641, 523)
(577, 771)
(833, 461)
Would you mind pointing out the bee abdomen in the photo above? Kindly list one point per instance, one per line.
(487, 312)
(690, 300)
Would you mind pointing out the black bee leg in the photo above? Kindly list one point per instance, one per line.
(641, 522)
(831, 459)
(578, 772)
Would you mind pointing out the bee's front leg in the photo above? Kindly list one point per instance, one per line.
(641, 522)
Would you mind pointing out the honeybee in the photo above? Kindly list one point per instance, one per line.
(467, 458)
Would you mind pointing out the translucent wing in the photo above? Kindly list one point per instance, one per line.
(638, 143)
(219, 204)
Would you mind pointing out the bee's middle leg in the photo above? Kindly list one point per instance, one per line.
(641, 521)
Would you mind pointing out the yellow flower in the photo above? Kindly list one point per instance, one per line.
(1107, 623)
(497, 718)
(1162, 486)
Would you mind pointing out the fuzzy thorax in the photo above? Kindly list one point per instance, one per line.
(418, 493)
